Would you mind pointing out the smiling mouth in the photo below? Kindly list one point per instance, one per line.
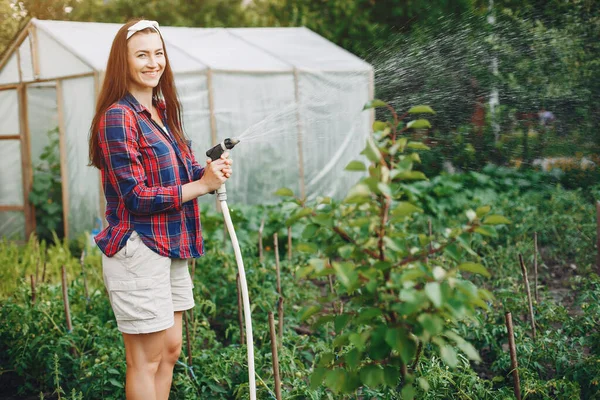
(150, 73)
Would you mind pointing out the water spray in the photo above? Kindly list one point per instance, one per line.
(214, 154)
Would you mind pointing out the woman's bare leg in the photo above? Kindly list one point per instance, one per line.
(171, 352)
(143, 353)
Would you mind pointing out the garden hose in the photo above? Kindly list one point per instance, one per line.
(214, 154)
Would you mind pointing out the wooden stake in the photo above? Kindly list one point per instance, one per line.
(598, 236)
(260, 242)
(513, 355)
(240, 311)
(535, 267)
(280, 315)
(85, 285)
(289, 244)
(276, 249)
(66, 299)
(531, 317)
(278, 273)
(275, 358)
(188, 342)
(32, 290)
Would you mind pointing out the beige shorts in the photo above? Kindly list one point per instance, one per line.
(145, 288)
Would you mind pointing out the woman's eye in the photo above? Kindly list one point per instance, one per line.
(141, 55)
(160, 53)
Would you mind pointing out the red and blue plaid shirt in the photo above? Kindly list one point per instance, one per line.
(142, 176)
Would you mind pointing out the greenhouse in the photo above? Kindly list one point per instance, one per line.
(285, 88)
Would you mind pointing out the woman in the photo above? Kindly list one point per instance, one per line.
(150, 181)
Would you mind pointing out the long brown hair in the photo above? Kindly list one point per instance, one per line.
(115, 87)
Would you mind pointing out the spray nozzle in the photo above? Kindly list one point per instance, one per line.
(227, 144)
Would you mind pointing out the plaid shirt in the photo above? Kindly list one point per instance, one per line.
(142, 176)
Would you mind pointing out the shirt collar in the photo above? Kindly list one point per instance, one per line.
(138, 107)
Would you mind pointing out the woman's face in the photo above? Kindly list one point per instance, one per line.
(146, 60)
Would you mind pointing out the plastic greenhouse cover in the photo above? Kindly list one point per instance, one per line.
(219, 49)
(12, 225)
(9, 112)
(42, 115)
(83, 181)
(302, 48)
(335, 129)
(10, 72)
(55, 60)
(11, 183)
(266, 105)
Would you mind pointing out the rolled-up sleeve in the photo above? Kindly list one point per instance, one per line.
(118, 141)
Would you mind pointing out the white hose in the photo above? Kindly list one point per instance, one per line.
(222, 196)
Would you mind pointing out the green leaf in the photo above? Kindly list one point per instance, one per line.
(449, 355)
(418, 124)
(496, 220)
(482, 211)
(340, 322)
(308, 312)
(309, 231)
(408, 392)
(371, 375)
(359, 193)
(367, 314)
(434, 293)
(304, 272)
(353, 358)
(309, 248)
(404, 208)
(374, 104)
(115, 382)
(346, 251)
(316, 378)
(384, 189)
(399, 146)
(335, 380)
(474, 268)
(379, 126)
(421, 109)
(317, 263)
(423, 383)
(345, 273)
(340, 341)
(418, 146)
(409, 176)
(301, 213)
(356, 166)
(433, 324)
(464, 346)
(486, 231)
(357, 340)
(284, 192)
(391, 375)
(371, 150)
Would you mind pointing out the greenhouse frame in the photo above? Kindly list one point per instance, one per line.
(297, 96)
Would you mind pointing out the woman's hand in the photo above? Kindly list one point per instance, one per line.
(217, 172)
